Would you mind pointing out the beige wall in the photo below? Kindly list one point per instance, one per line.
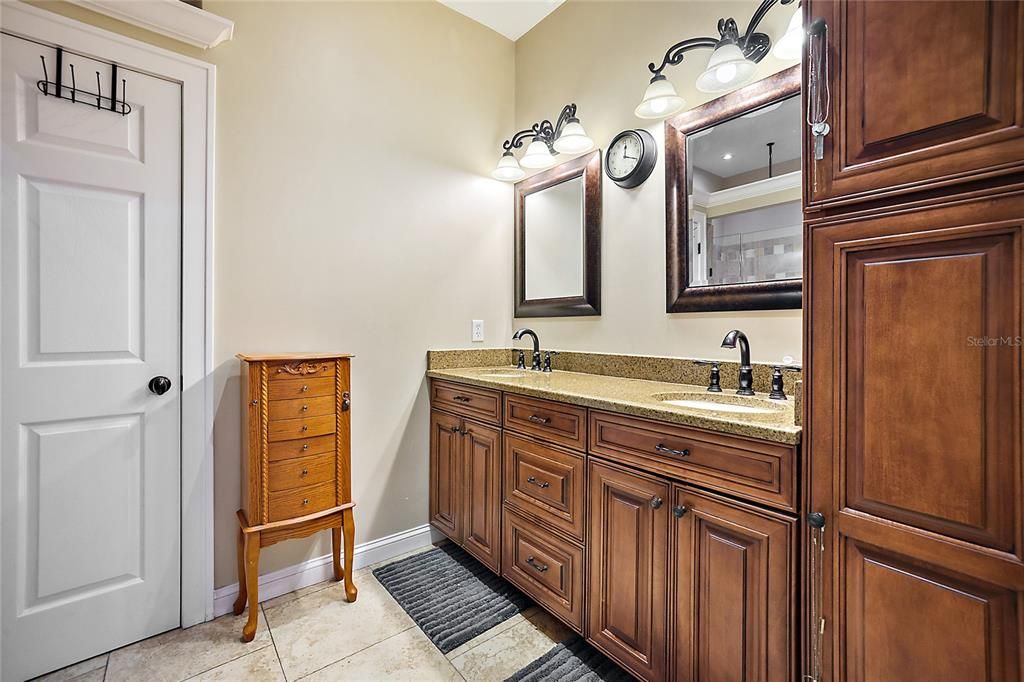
(354, 213)
(596, 54)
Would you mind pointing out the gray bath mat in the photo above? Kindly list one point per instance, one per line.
(572, 660)
(450, 595)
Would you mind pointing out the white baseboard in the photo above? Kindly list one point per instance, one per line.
(319, 569)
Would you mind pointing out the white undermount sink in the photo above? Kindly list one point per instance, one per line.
(506, 374)
(721, 403)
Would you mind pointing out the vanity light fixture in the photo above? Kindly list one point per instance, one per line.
(732, 62)
(565, 136)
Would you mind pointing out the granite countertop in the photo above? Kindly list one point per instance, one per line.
(642, 398)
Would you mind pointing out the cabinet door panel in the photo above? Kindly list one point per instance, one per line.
(628, 567)
(481, 452)
(446, 474)
(734, 601)
(910, 113)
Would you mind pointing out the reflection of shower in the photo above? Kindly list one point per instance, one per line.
(770, 145)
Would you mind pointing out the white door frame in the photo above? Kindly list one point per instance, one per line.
(197, 80)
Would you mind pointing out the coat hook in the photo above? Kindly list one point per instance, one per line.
(46, 76)
(72, 82)
(124, 96)
(113, 87)
(98, 90)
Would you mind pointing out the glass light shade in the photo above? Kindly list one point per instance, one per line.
(537, 156)
(573, 139)
(660, 100)
(508, 169)
(727, 68)
(791, 43)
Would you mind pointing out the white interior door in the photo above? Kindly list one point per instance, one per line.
(89, 312)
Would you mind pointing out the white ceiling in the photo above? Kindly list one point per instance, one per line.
(510, 18)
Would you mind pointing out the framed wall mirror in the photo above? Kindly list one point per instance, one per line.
(558, 240)
(734, 232)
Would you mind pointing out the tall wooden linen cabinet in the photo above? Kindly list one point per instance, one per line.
(913, 223)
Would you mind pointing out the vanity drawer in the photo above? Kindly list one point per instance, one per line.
(559, 423)
(299, 388)
(301, 447)
(480, 403)
(303, 369)
(309, 499)
(545, 481)
(757, 470)
(544, 566)
(287, 429)
(302, 407)
(286, 474)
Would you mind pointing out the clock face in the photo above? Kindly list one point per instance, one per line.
(624, 155)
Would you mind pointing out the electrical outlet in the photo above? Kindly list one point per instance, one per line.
(478, 330)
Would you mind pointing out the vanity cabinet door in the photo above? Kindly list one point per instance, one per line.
(915, 442)
(446, 474)
(628, 569)
(733, 607)
(481, 493)
(923, 95)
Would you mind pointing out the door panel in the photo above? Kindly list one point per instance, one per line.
(481, 452)
(908, 622)
(628, 568)
(446, 474)
(907, 115)
(734, 569)
(90, 306)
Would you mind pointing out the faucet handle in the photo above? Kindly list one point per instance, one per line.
(522, 360)
(547, 359)
(778, 391)
(715, 380)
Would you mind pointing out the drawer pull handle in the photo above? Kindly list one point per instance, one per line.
(305, 427)
(305, 446)
(656, 502)
(539, 420)
(679, 510)
(541, 484)
(305, 471)
(305, 388)
(536, 564)
(305, 408)
(305, 501)
(661, 447)
(462, 398)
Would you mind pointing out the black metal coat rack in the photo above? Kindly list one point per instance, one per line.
(57, 88)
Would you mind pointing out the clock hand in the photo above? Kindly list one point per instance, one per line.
(627, 156)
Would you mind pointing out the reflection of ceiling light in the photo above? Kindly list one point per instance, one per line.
(763, 110)
(726, 156)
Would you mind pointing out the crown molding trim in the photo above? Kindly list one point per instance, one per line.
(171, 18)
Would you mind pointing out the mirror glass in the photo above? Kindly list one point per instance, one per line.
(743, 187)
(553, 232)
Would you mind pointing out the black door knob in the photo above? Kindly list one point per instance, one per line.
(159, 385)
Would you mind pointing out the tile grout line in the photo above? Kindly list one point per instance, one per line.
(345, 658)
(273, 642)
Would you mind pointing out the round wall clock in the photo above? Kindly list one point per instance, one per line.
(630, 158)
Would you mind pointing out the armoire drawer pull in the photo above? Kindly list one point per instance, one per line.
(305, 427)
(536, 419)
(305, 471)
(539, 484)
(536, 564)
(305, 388)
(305, 501)
(661, 447)
(305, 446)
(305, 408)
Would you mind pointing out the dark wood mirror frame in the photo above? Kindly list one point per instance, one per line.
(680, 296)
(589, 168)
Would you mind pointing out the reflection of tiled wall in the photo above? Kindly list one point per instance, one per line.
(756, 261)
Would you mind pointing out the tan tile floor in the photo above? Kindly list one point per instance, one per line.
(314, 634)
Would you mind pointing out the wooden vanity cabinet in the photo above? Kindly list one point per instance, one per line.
(923, 95)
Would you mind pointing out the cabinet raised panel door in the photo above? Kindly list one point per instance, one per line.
(628, 569)
(481, 494)
(446, 474)
(923, 94)
(733, 606)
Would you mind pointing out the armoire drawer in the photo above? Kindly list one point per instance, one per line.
(287, 429)
(301, 369)
(544, 566)
(758, 470)
(480, 403)
(301, 407)
(286, 474)
(302, 447)
(309, 499)
(557, 422)
(286, 389)
(545, 481)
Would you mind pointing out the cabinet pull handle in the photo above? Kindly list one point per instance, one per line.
(461, 398)
(656, 502)
(305, 446)
(305, 427)
(661, 447)
(456, 429)
(537, 419)
(679, 510)
(816, 622)
(542, 484)
(305, 501)
(305, 471)
(305, 388)
(305, 408)
(536, 564)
